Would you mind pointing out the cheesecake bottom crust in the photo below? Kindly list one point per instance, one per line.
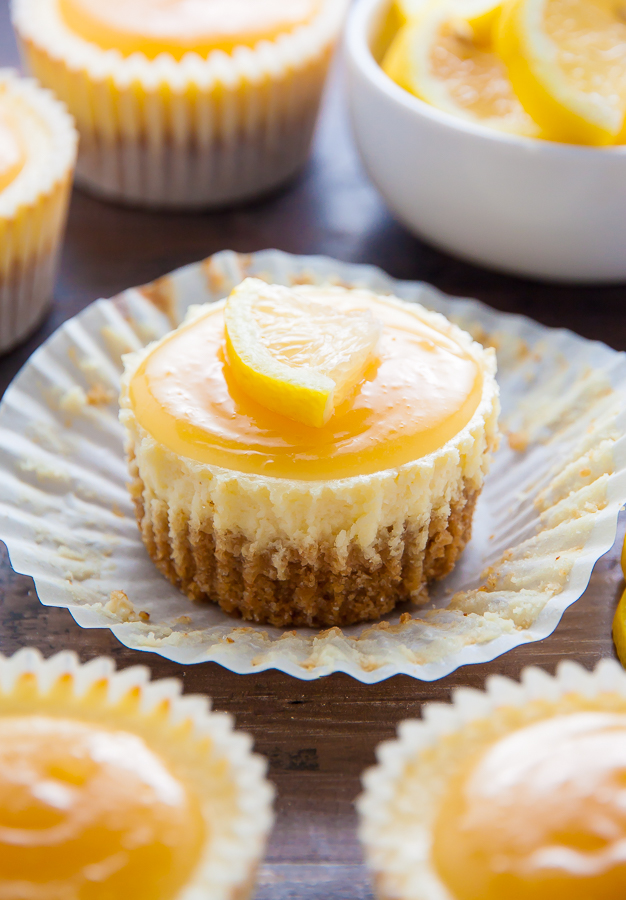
(311, 586)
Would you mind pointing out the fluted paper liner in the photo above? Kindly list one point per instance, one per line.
(548, 510)
(396, 827)
(228, 863)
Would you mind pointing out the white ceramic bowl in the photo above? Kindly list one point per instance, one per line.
(521, 205)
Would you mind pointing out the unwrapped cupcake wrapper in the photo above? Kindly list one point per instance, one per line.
(229, 871)
(191, 134)
(399, 853)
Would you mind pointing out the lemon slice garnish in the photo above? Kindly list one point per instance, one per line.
(296, 356)
(567, 62)
(444, 57)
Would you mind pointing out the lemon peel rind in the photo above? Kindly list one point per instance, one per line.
(398, 851)
(231, 854)
(579, 119)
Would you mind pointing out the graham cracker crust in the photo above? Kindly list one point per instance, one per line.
(309, 586)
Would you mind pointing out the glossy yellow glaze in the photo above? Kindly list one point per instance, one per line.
(90, 813)
(177, 27)
(12, 151)
(421, 391)
(540, 815)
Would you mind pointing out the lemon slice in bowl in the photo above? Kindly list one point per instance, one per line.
(444, 57)
(567, 62)
(295, 356)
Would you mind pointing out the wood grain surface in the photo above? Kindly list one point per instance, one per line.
(317, 736)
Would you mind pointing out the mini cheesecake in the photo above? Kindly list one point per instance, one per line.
(513, 793)
(112, 786)
(184, 104)
(255, 491)
(37, 157)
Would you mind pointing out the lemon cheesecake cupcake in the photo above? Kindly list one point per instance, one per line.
(37, 156)
(184, 104)
(115, 786)
(514, 793)
(308, 455)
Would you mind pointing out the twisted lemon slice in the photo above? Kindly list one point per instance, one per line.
(295, 356)
(444, 57)
(567, 63)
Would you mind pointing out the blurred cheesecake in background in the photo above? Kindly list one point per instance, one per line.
(115, 786)
(187, 104)
(310, 455)
(37, 157)
(516, 792)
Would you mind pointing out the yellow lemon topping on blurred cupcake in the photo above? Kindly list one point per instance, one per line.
(111, 786)
(87, 811)
(516, 792)
(183, 26)
(37, 156)
(540, 814)
(308, 455)
(12, 155)
(184, 103)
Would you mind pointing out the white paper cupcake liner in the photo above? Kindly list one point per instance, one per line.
(397, 851)
(548, 510)
(33, 210)
(234, 850)
(189, 134)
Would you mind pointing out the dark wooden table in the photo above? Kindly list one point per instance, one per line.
(318, 736)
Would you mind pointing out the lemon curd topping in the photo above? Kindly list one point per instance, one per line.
(88, 813)
(540, 815)
(177, 27)
(419, 392)
(12, 154)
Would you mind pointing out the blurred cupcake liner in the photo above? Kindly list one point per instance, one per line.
(189, 134)
(233, 851)
(33, 211)
(395, 824)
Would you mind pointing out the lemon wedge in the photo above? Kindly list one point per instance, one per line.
(567, 63)
(294, 355)
(444, 57)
